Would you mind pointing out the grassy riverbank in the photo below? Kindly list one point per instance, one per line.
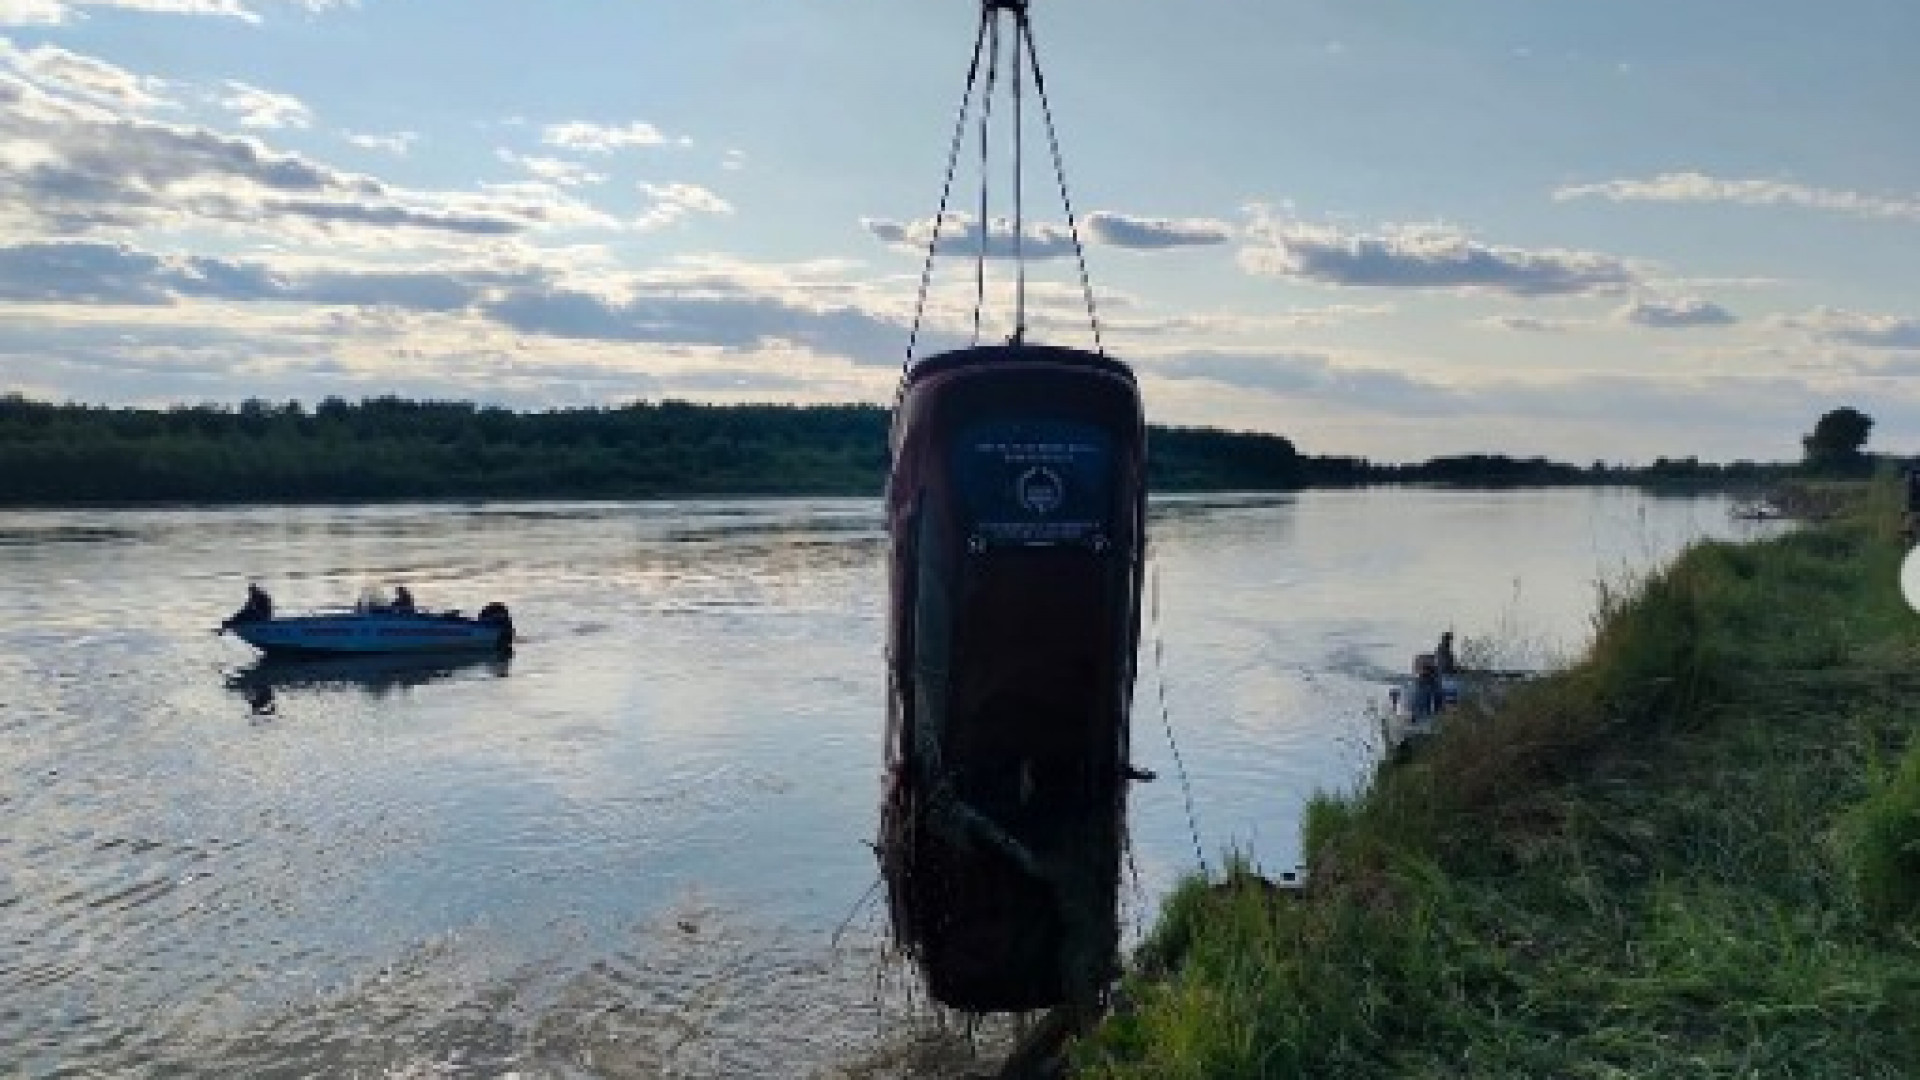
(1696, 853)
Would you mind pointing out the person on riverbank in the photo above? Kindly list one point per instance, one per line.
(1428, 694)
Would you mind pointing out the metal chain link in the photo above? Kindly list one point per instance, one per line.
(946, 190)
(1025, 52)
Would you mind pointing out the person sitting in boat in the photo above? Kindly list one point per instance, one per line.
(1443, 655)
(1428, 694)
(258, 608)
(402, 601)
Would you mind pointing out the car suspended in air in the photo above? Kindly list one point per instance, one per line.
(1016, 509)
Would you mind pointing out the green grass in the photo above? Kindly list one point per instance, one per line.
(1881, 838)
(1696, 853)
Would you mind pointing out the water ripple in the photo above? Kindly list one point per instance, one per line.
(626, 852)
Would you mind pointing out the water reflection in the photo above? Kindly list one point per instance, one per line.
(374, 676)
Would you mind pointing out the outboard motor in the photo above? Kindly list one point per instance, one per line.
(1017, 512)
(496, 614)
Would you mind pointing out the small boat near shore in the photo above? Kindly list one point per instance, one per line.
(1757, 511)
(367, 630)
(1414, 711)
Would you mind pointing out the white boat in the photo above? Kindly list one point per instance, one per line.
(1413, 715)
(1408, 700)
(1756, 511)
(368, 630)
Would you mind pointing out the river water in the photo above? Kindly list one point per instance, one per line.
(637, 848)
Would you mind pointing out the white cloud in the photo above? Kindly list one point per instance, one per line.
(1122, 230)
(44, 12)
(1062, 306)
(960, 234)
(265, 109)
(1902, 367)
(1067, 310)
(110, 321)
(1529, 324)
(1311, 375)
(51, 12)
(96, 80)
(1694, 187)
(554, 170)
(32, 12)
(203, 353)
(398, 143)
(1308, 318)
(1682, 412)
(737, 321)
(1424, 257)
(673, 202)
(1674, 313)
(1854, 328)
(718, 305)
(601, 138)
(73, 168)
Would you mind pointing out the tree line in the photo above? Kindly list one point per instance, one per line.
(395, 448)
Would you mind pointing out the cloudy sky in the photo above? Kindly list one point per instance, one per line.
(1591, 230)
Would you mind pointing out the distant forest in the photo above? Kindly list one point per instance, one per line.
(390, 448)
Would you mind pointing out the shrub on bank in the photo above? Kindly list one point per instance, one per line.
(1882, 843)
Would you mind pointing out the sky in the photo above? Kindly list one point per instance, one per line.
(1393, 229)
